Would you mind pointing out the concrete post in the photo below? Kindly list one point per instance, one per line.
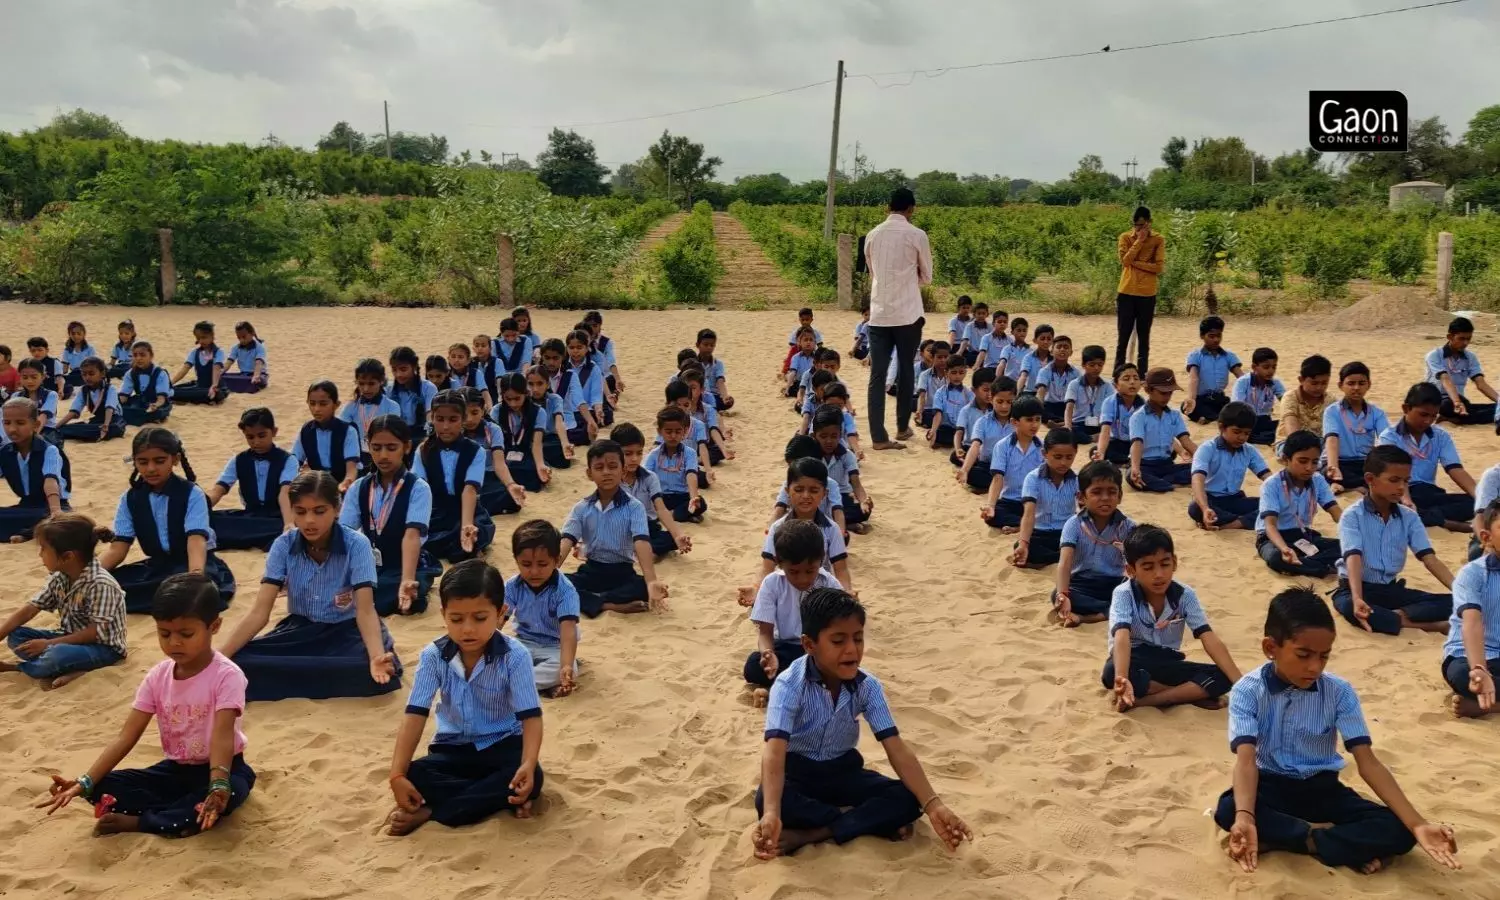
(1444, 267)
(505, 247)
(168, 271)
(846, 271)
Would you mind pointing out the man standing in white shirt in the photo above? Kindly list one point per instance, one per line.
(900, 262)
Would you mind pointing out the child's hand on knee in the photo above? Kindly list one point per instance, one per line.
(949, 827)
(1244, 843)
(406, 794)
(767, 836)
(1124, 694)
(1290, 557)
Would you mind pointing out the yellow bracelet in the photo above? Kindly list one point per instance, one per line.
(933, 799)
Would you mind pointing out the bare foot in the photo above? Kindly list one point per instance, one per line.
(1009, 529)
(759, 697)
(403, 823)
(860, 528)
(1465, 708)
(524, 810)
(1436, 627)
(793, 839)
(1371, 867)
(9, 667)
(117, 823)
(60, 681)
(903, 833)
(1069, 620)
(638, 606)
(887, 445)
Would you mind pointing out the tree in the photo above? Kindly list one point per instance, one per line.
(431, 150)
(1089, 180)
(84, 125)
(680, 163)
(941, 189)
(1484, 128)
(569, 167)
(1427, 156)
(1174, 154)
(343, 137)
(1222, 159)
(515, 165)
(631, 180)
(763, 190)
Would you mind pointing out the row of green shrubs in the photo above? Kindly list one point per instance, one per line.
(686, 267)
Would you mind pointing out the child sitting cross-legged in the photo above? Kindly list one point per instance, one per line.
(1091, 563)
(1289, 501)
(1147, 615)
(1050, 498)
(776, 611)
(639, 482)
(610, 527)
(545, 606)
(1219, 471)
(814, 784)
(484, 757)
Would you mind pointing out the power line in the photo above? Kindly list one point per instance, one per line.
(679, 112)
(1111, 50)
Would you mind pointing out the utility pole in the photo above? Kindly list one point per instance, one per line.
(670, 160)
(833, 153)
(1252, 168)
(387, 128)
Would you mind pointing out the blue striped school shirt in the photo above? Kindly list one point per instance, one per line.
(539, 612)
(1476, 586)
(706, 415)
(833, 498)
(989, 431)
(1224, 467)
(1487, 491)
(646, 488)
(1031, 367)
(1056, 383)
(231, 474)
(74, 358)
(1434, 448)
(360, 412)
(958, 329)
(1014, 462)
(502, 350)
(974, 332)
(486, 706)
(103, 397)
(1356, 431)
(1381, 544)
(950, 400)
(818, 726)
(323, 437)
(779, 604)
(1013, 359)
(245, 357)
(969, 416)
(199, 356)
(1261, 397)
(47, 406)
(671, 469)
(833, 539)
(410, 399)
(842, 466)
(120, 354)
(1117, 414)
(1156, 431)
(801, 363)
(418, 506)
(322, 592)
(992, 345)
(163, 383)
(581, 392)
(1088, 400)
(1214, 368)
(1294, 506)
(52, 467)
(1295, 731)
(930, 382)
(1462, 367)
(489, 438)
(196, 522)
(1097, 551)
(1055, 503)
(607, 532)
(1129, 609)
(448, 462)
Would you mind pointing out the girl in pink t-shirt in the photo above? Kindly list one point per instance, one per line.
(196, 696)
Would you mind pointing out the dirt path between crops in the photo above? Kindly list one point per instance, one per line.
(749, 276)
(625, 272)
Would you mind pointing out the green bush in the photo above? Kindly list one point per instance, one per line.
(1402, 256)
(1332, 260)
(1011, 275)
(688, 260)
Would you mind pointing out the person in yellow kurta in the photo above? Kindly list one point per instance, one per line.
(1142, 257)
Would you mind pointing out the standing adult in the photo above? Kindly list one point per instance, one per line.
(900, 262)
(1143, 255)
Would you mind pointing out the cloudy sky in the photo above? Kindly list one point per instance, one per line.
(497, 74)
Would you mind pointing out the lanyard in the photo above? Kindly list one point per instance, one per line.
(1262, 398)
(381, 513)
(513, 435)
(1100, 537)
(1415, 447)
(1357, 424)
(365, 418)
(1296, 508)
(1456, 365)
(1091, 397)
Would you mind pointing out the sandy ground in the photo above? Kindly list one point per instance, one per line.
(652, 765)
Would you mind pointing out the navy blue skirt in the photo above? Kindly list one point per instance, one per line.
(388, 586)
(524, 472)
(237, 529)
(141, 579)
(197, 392)
(138, 416)
(312, 660)
(552, 453)
(87, 433)
(21, 520)
(495, 499)
(444, 532)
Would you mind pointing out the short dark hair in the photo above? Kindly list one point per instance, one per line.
(797, 541)
(327, 387)
(1486, 515)
(627, 435)
(1353, 368)
(1384, 456)
(257, 417)
(981, 305)
(802, 446)
(1263, 355)
(1019, 322)
(1042, 329)
(1026, 407)
(823, 378)
(673, 415)
(314, 483)
(1146, 540)
(1093, 353)
(1294, 610)
(602, 448)
(1461, 325)
(1210, 323)
(827, 416)
(837, 389)
(1141, 212)
(1299, 442)
(35, 342)
(1237, 415)
(677, 389)
(1100, 470)
(807, 467)
(537, 534)
(821, 607)
(997, 313)
(982, 377)
(956, 360)
(965, 300)
(187, 595)
(1122, 368)
(472, 578)
(706, 334)
(902, 199)
(1002, 384)
(686, 355)
(1062, 339)
(509, 323)
(805, 311)
(1315, 366)
(1060, 437)
(1424, 393)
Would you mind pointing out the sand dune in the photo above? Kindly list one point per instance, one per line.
(652, 765)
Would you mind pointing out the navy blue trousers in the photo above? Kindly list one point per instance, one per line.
(1456, 673)
(1264, 431)
(1320, 565)
(1090, 594)
(312, 660)
(1008, 514)
(1162, 476)
(388, 586)
(462, 784)
(1436, 506)
(816, 795)
(1150, 663)
(1362, 829)
(681, 507)
(787, 652)
(1209, 406)
(166, 795)
(1385, 599)
(600, 583)
(1044, 550)
(661, 539)
(1227, 507)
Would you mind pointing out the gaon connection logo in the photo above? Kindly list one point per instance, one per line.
(1347, 121)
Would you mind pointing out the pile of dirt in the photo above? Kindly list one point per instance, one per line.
(1391, 308)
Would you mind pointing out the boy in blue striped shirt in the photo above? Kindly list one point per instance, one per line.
(1471, 654)
(1350, 428)
(1289, 501)
(948, 403)
(1053, 380)
(1015, 457)
(979, 403)
(1219, 467)
(1157, 432)
(484, 757)
(1050, 497)
(1083, 400)
(610, 526)
(675, 466)
(1209, 369)
(1284, 722)
(987, 431)
(814, 784)
(1092, 559)
(1430, 447)
(1262, 390)
(1147, 616)
(545, 606)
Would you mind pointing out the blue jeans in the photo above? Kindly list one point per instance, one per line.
(60, 658)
